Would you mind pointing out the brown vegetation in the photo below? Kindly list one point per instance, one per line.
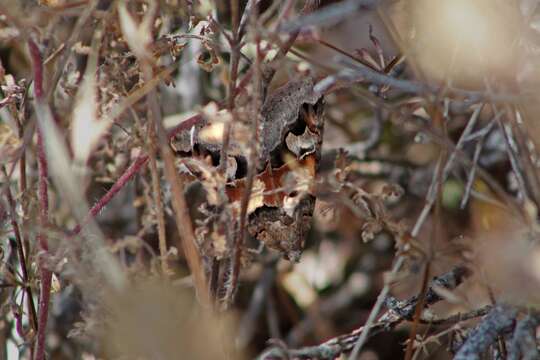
(240, 179)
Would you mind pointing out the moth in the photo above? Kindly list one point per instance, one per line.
(283, 194)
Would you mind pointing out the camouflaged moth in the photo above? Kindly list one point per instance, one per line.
(282, 198)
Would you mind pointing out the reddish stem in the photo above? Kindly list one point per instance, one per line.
(43, 189)
(46, 274)
(131, 171)
(37, 63)
(117, 186)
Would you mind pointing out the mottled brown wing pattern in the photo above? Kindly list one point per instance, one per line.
(290, 135)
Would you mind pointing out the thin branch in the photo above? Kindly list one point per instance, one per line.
(457, 318)
(68, 45)
(511, 150)
(420, 304)
(252, 170)
(523, 141)
(158, 202)
(258, 299)
(376, 308)
(358, 72)
(449, 280)
(21, 255)
(271, 68)
(439, 124)
(128, 175)
(334, 347)
(182, 217)
(43, 196)
(472, 173)
(231, 93)
(439, 177)
(345, 53)
(395, 269)
(498, 190)
(329, 14)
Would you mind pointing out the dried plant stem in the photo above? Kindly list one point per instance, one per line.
(497, 189)
(21, 255)
(397, 313)
(397, 266)
(438, 178)
(233, 75)
(25, 134)
(329, 14)
(345, 53)
(246, 196)
(128, 175)
(46, 274)
(158, 202)
(473, 314)
(22, 160)
(376, 308)
(261, 80)
(68, 45)
(418, 312)
(182, 217)
(472, 174)
(271, 68)
(234, 44)
(531, 175)
(443, 157)
(358, 72)
(259, 298)
(511, 150)
(239, 240)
